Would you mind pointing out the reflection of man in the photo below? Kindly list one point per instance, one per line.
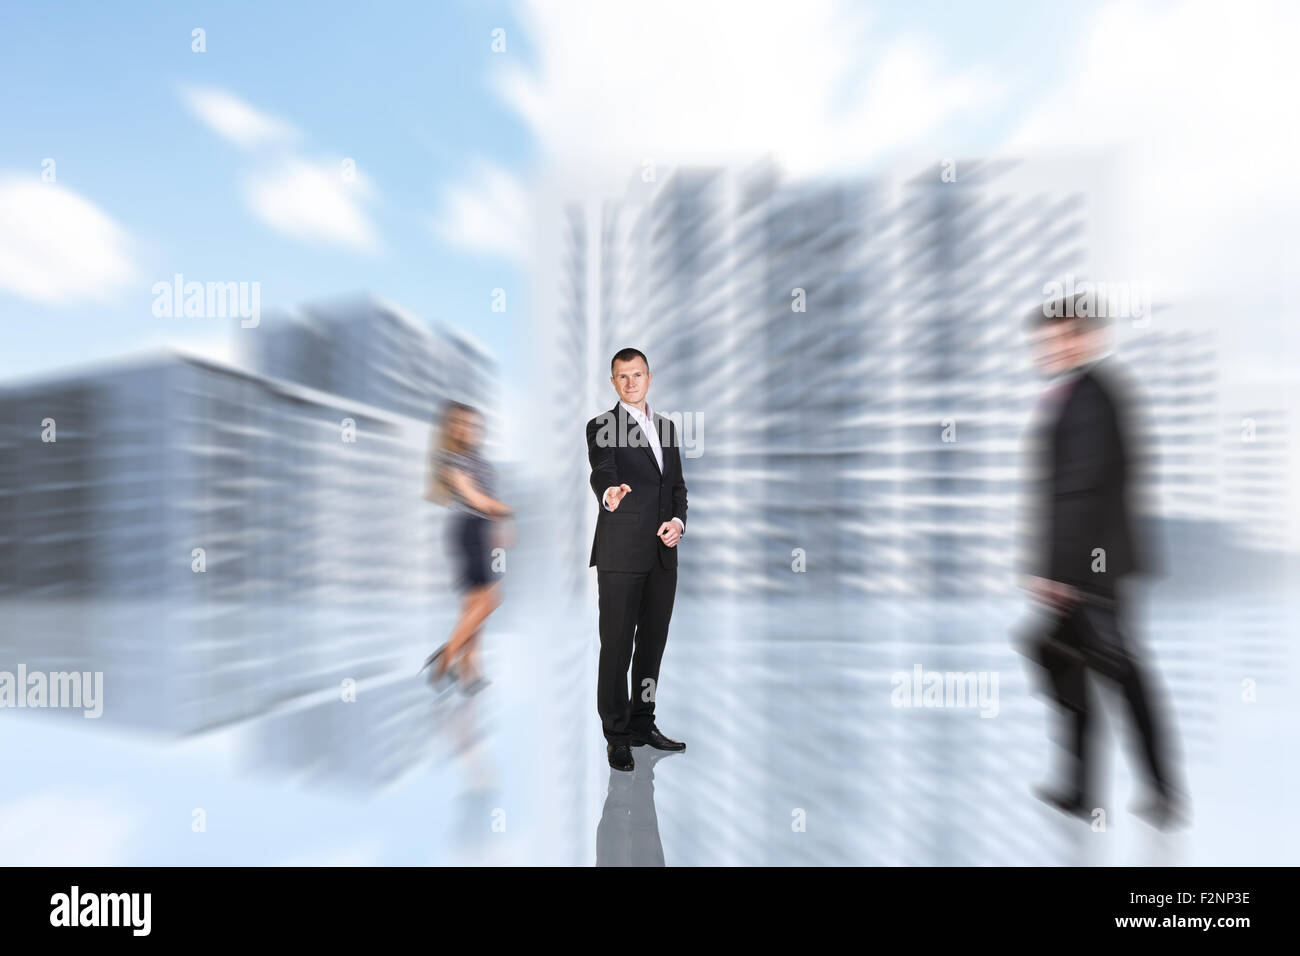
(628, 832)
(636, 475)
(1088, 547)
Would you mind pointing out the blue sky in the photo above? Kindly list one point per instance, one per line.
(402, 92)
(456, 146)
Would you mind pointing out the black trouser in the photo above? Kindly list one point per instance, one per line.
(1114, 658)
(635, 608)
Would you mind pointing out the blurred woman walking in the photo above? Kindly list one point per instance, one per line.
(461, 479)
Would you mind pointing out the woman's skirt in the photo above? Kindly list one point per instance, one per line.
(471, 554)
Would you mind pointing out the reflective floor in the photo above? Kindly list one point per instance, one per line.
(804, 748)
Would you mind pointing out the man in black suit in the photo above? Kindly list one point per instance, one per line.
(636, 475)
(1088, 547)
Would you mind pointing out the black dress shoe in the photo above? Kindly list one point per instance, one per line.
(620, 756)
(658, 741)
(1067, 801)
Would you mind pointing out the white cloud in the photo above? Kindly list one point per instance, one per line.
(698, 81)
(57, 246)
(615, 85)
(312, 200)
(306, 199)
(488, 213)
(234, 120)
(1196, 104)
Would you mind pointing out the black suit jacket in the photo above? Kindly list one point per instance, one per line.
(1088, 486)
(620, 454)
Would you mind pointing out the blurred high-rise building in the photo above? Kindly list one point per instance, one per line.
(850, 356)
(567, 400)
(1174, 367)
(373, 351)
(219, 540)
(1258, 464)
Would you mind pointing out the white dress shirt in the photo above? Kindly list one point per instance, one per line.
(646, 424)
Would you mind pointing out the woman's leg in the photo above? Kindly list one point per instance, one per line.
(467, 606)
(470, 672)
(465, 537)
(479, 603)
(469, 659)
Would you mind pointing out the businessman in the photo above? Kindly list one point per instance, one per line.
(636, 475)
(1088, 551)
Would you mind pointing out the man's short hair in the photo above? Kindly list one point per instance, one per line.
(1086, 306)
(627, 355)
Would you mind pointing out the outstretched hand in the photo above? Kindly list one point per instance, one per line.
(614, 495)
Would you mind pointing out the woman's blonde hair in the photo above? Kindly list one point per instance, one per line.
(440, 489)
